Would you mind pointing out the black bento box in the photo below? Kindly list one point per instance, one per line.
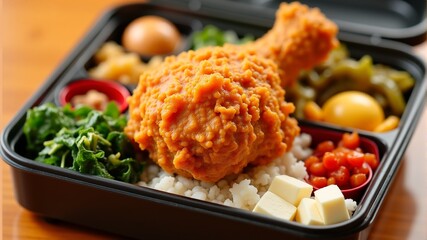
(140, 212)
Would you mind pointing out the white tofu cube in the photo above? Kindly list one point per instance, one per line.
(331, 204)
(272, 205)
(308, 213)
(290, 189)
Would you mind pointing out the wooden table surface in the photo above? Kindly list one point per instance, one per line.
(38, 35)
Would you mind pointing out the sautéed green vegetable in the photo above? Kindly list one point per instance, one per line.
(84, 140)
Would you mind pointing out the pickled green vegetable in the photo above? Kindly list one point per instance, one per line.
(341, 73)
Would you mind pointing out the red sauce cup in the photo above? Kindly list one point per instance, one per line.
(114, 91)
(366, 144)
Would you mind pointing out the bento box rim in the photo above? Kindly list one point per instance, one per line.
(412, 35)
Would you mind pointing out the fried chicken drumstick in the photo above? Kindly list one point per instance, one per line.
(210, 113)
(301, 38)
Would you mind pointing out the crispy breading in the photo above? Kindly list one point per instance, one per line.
(301, 38)
(212, 112)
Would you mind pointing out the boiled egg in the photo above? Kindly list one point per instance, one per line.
(353, 109)
(151, 35)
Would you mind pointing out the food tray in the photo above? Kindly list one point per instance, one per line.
(140, 212)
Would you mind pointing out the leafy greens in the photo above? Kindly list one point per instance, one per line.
(213, 36)
(83, 139)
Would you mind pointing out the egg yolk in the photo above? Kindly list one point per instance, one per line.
(353, 109)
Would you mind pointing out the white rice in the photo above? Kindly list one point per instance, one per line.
(351, 206)
(241, 191)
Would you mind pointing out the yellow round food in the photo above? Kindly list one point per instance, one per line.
(151, 35)
(353, 109)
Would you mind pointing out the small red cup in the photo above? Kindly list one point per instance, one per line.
(114, 91)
